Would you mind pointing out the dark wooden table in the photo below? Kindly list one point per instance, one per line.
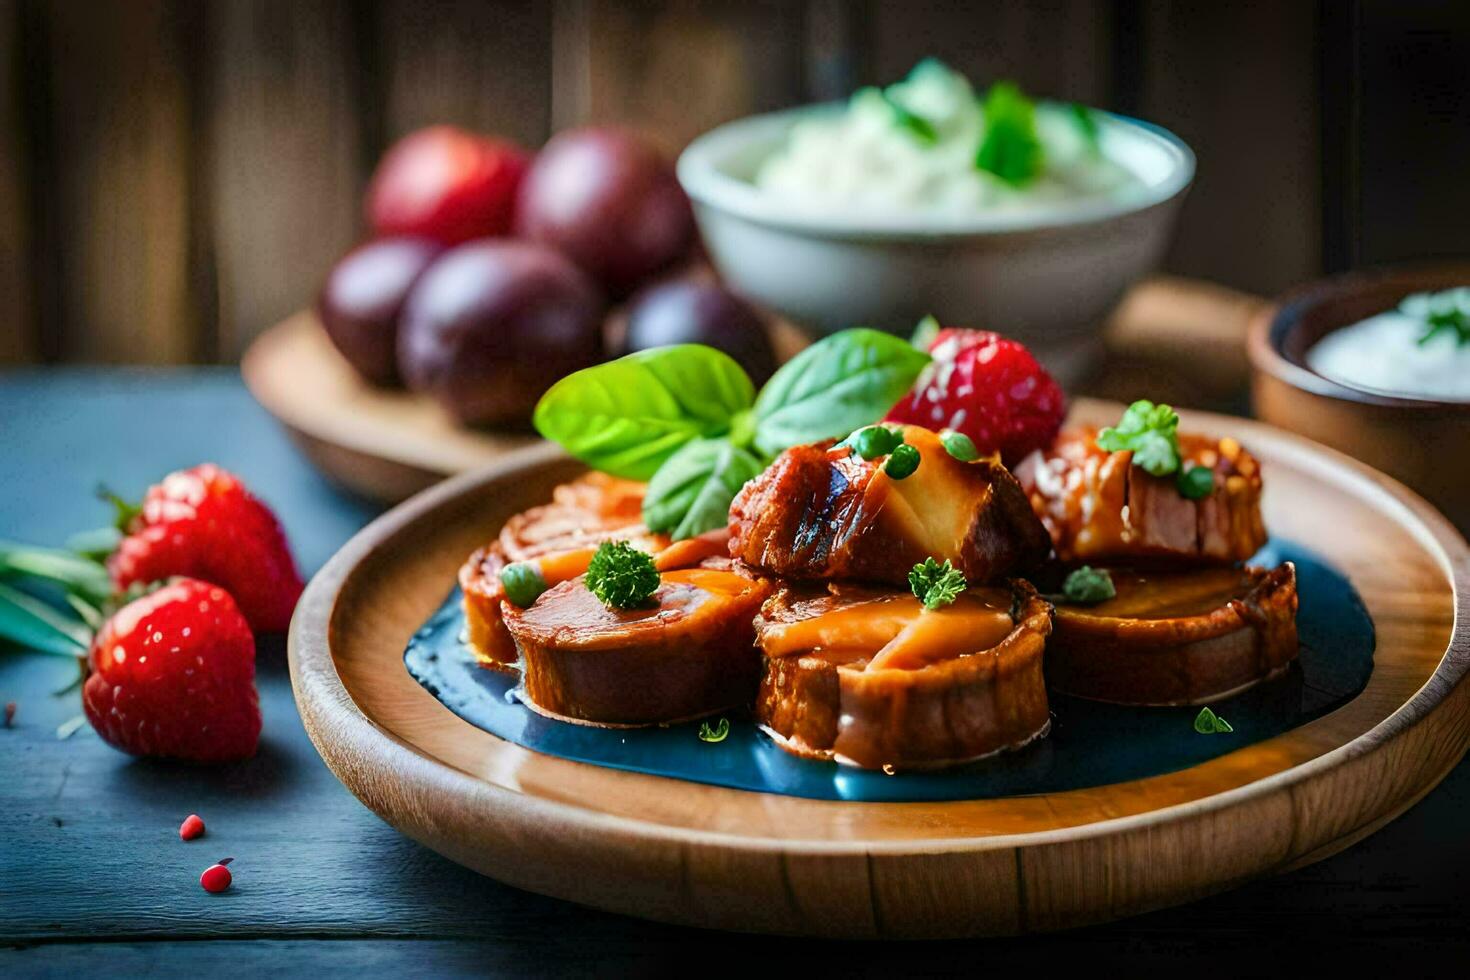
(94, 878)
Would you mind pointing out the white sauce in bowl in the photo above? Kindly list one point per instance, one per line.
(1383, 354)
(863, 158)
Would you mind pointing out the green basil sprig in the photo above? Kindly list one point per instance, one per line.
(627, 416)
(833, 387)
(687, 418)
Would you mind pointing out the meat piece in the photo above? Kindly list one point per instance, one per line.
(872, 679)
(561, 537)
(821, 512)
(689, 653)
(1098, 507)
(1177, 637)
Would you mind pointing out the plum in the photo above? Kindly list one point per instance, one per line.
(447, 184)
(610, 201)
(493, 323)
(364, 293)
(693, 312)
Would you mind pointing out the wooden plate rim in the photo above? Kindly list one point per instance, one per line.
(330, 714)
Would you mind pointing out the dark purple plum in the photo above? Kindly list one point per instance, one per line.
(692, 312)
(362, 297)
(610, 201)
(493, 323)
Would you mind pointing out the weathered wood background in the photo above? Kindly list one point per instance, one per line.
(177, 175)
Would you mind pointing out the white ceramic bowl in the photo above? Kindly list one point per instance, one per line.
(1046, 276)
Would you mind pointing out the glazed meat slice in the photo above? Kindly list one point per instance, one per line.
(1098, 507)
(870, 678)
(561, 538)
(1177, 637)
(689, 653)
(821, 512)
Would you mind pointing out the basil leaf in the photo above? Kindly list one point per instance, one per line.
(626, 417)
(836, 385)
(691, 493)
(1010, 149)
(30, 623)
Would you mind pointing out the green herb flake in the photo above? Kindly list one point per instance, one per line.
(924, 334)
(1086, 121)
(915, 125)
(1455, 322)
(523, 582)
(621, 576)
(1088, 586)
(936, 585)
(902, 462)
(959, 445)
(1150, 432)
(717, 732)
(1010, 148)
(873, 441)
(1195, 482)
(1209, 723)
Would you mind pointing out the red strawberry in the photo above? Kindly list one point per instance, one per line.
(203, 523)
(173, 674)
(988, 387)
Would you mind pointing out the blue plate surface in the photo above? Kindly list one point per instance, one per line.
(1091, 744)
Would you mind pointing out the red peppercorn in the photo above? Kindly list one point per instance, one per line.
(191, 828)
(216, 878)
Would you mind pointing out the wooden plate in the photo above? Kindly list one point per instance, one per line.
(710, 856)
(384, 444)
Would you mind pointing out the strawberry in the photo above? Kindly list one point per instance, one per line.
(203, 523)
(988, 387)
(173, 674)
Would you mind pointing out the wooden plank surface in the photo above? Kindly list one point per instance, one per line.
(1056, 48)
(324, 885)
(1234, 81)
(281, 158)
(674, 69)
(18, 338)
(486, 66)
(123, 152)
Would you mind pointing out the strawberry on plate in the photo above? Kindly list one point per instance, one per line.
(990, 388)
(173, 675)
(204, 524)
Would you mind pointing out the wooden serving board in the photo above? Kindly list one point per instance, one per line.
(710, 856)
(1174, 340)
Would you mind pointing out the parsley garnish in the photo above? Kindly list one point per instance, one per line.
(1150, 432)
(621, 576)
(1453, 321)
(1209, 723)
(936, 585)
(1010, 148)
(716, 732)
(921, 129)
(1087, 586)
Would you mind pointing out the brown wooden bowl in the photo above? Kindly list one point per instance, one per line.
(1424, 443)
(712, 856)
